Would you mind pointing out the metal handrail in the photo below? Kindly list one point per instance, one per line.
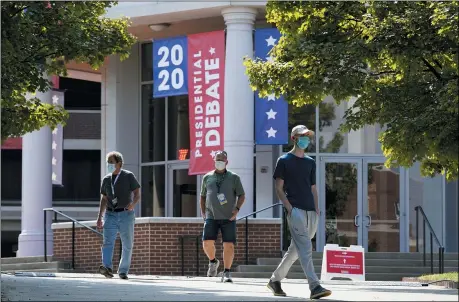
(182, 239)
(246, 217)
(441, 248)
(74, 221)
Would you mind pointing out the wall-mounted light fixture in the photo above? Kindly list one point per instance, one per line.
(159, 27)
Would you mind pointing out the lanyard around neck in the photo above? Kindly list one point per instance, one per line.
(114, 182)
(220, 181)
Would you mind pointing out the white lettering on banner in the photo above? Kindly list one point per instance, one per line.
(209, 118)
(197, 64)
(212, 107)
(198, 108)
(176, 75)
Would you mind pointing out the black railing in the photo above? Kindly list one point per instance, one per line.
(246, 217)
(441, 249)
(182, 239)
(74, 222)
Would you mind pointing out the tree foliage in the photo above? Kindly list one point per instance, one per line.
(399, 59)
(38, 38)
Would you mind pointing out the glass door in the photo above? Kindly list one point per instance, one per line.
(381, 207)
(340, 202)
(181, 196)
(360, 202)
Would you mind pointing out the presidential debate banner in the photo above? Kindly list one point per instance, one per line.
(206, 76)
(170, 67)
(271, 113)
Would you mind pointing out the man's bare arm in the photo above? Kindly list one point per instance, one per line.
(203, 205)
(316, 198)
(281, 194)
(240, 201)
(102, 206)
(136, 196)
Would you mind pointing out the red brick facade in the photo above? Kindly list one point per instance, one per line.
(157, 248)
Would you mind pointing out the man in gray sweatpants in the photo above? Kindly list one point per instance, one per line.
(295, 177)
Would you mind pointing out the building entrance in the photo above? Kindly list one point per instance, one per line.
(360, 204)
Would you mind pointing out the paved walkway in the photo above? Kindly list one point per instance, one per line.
(89, 287)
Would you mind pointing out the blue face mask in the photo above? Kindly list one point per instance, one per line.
(303, 142)
(111, 168)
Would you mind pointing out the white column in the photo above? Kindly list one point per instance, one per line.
(36, 189)
(121, 113)
(108, 111)
(239, 100)
(264, 180)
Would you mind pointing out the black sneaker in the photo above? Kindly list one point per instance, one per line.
(123, 276)
(275, 287)
(320, 292)
(107, 272)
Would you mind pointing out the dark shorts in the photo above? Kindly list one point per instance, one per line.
(227, 227)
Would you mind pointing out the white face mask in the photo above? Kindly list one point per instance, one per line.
(220, 165)
(111, 168)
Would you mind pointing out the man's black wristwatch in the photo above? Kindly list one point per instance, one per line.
(238, 209)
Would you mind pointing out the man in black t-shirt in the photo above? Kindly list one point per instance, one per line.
(295, 177)
(120, 191)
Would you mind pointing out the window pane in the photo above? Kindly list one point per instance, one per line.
(11, 174)
(340, 203)
(451, 211)
(147, 62)
(153, 123)
(153, 190)
(178, 130)
(384, 208)
(80, 176)
(426, 192)
(362, 141)
(81, 94)
(184, 200)
(304, 115)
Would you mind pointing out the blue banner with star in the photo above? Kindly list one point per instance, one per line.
(271, 113)
(57, 146)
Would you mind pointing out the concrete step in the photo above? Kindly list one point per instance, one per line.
(404, 256)
(369, 270)
(44, 270)
(55, 265)
(13, 260)
(368, 277)
(370, 262)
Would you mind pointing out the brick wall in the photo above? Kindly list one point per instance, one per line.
(157, 247)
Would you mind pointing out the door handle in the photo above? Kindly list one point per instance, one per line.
(355, 220)
(369, 220)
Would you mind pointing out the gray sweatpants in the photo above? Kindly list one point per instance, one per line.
(303, 227)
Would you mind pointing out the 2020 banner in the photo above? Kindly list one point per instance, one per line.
(206, 72)
(170, 67)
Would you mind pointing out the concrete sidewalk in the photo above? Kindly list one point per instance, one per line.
(89, 287)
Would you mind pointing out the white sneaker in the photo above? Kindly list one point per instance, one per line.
(226, 277)
(213, 268)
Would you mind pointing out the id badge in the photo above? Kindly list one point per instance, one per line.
(222, 199)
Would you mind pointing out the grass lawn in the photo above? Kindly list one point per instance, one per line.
(453, 276)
